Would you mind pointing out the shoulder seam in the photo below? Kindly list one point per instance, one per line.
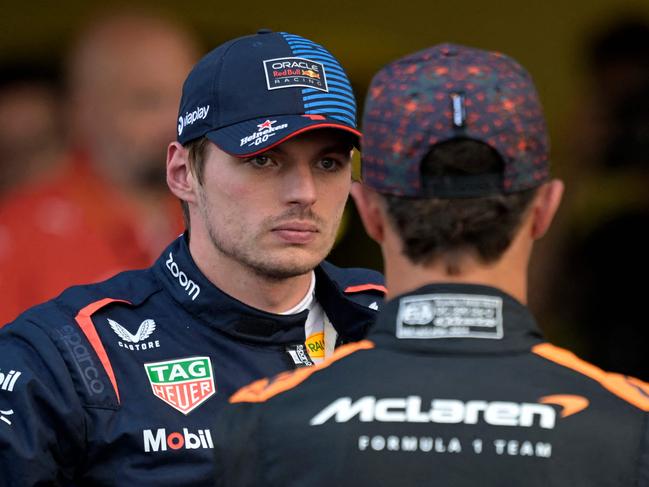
(264, 389)
(366, 287)
(629, 389)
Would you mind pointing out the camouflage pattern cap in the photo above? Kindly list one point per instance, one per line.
(446, 92)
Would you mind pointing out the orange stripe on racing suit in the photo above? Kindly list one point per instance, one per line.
(84, 320)
(366, 287)
(630, 389)
(263, 389)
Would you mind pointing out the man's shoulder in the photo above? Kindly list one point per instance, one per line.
(132, 287)
(354, 279)
(609, 389)
(286, 383)
(350, 297)
(57, 338)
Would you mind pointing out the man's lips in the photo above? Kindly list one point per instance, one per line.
(296, 232)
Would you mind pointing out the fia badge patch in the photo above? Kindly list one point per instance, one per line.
(184, 383)
(289, 72)
(450, 316)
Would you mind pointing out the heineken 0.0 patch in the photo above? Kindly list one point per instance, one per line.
(183, 383)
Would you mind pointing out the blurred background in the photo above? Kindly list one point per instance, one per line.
(88, 89)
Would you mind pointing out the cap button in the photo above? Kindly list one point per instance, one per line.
(449, 50)
(265, 31)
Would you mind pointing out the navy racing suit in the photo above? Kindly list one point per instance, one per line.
(118, 383)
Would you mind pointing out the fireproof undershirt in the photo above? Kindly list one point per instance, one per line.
(320, 335)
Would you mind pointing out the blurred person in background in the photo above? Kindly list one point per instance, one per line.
(107, 208)
(605, 234)
(31, 123)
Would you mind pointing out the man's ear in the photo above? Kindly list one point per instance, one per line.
(545, 206)
(369, 208)
(180, 178)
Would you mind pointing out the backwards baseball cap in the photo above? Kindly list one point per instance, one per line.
(453, 92)
(255, 92)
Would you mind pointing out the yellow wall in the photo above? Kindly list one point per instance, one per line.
(545, 36)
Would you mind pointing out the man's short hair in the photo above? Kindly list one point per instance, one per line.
(434, 229)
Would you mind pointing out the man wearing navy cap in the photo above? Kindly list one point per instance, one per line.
(118, 383)
(455, 385)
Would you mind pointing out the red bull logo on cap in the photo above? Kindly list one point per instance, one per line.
(290, 72)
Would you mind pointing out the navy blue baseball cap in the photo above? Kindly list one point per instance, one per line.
(255, 92)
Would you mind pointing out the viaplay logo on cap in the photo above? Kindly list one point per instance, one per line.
(190, 117)
(289, 72)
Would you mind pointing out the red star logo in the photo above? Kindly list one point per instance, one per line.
(376, 91)
(508, 105)
(411, 69)
(411, 106)
(266, 125)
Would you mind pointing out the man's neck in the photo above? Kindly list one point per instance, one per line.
(246, 285)
(508, 275)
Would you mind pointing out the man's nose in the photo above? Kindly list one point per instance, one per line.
(300, 185)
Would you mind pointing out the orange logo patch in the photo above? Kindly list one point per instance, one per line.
(570, 404)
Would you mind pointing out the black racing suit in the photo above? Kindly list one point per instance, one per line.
(455, 386)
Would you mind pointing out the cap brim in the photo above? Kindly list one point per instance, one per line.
(253, 137)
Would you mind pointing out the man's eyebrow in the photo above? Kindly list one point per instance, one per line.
(340, 148)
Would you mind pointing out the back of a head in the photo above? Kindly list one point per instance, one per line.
(455, 141)
(448, 228)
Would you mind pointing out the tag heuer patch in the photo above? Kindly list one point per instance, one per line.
(184, 383)
(289, 72)
(450, 316)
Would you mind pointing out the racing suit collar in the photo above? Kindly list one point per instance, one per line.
(456, 318)
(189, 287)
(350, 319)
